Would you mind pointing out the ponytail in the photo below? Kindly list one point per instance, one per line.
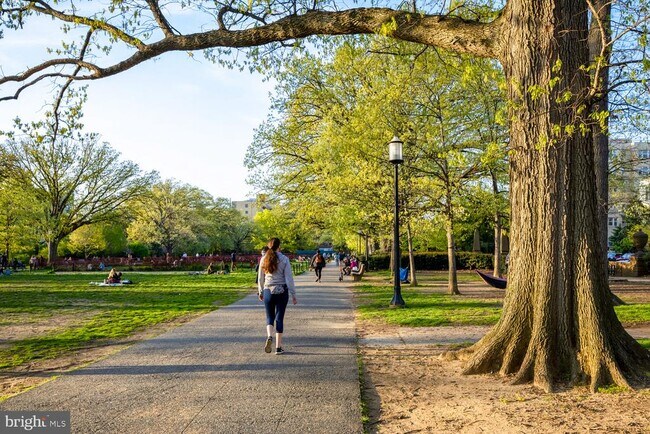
(270, 260)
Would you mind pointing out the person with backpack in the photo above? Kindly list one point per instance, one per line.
(317, 263)
(275, 283)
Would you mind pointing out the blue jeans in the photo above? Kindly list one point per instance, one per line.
(275, 305)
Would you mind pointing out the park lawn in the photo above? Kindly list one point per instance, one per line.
(633, 313)
(73, 314)
(425, 309)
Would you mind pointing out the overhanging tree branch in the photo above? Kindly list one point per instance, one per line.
(480, 39)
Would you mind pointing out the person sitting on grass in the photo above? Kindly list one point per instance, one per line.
(113, 276)
(210, 269)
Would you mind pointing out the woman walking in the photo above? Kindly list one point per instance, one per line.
(317, 263)
(275, 283)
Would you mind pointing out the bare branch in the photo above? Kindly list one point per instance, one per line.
(48, 64)
(160, 18)
(64, 88)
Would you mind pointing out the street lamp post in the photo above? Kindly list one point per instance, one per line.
(395, 157)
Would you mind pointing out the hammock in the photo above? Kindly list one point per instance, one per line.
(496, 282)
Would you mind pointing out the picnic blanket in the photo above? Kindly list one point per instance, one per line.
(124, 282)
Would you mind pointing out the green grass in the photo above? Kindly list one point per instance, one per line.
(426, 309)
(426, 277)
(634, 313)
(645, 343)
(612, 389)
(93, 315)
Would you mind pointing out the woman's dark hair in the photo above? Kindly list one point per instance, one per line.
(270, 260)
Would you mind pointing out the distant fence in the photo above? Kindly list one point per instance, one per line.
(162, 263)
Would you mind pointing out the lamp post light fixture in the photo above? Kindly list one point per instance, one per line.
(395, 157)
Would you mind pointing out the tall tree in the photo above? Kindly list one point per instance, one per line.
(78, 180)
(558, 322)
(282, 223)
(174, 216)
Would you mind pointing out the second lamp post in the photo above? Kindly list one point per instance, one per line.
(395, 157)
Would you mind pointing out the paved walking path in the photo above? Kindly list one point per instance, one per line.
(212, 376)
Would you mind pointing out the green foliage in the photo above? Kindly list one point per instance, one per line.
(93, 315)
(19, 232)
(139, 250)
(323, 150)
(435, 261)
(180, 218)
(103, 239)
(281, 223)
(636, 216)
(620, 241)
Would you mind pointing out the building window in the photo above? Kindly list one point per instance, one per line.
(612, 221)
(645, 153)
(246, 206)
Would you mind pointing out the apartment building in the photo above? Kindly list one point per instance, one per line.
(250, 207)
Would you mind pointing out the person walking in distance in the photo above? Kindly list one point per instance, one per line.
(317, 263)
(275, 283)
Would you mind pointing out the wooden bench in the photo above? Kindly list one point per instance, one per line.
(357, 275)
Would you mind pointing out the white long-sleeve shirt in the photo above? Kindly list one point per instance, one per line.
(281, 276)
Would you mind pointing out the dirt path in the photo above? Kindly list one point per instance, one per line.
(412, 390)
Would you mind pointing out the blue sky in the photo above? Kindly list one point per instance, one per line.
(189, 119)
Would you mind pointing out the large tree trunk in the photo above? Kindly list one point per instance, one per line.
(452, 286)
(52, 248)
(558, 323)
(409, 239)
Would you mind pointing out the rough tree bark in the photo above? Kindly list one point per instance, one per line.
(558, 323)
(52, 248)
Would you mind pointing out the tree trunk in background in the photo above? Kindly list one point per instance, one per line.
(414, 280)
(558, 323)
(497, 230)
(599, 36)
(452, 286)
(476, 243)
(497, 247)
(52, 251)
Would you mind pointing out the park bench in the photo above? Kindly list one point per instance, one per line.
(357, 275)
